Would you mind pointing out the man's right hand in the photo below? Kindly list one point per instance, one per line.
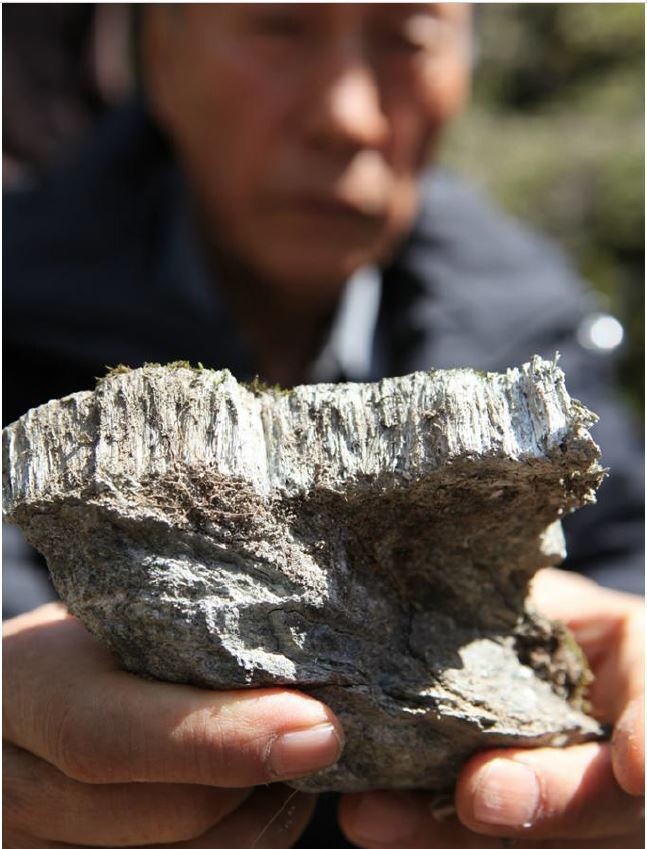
(95, 756)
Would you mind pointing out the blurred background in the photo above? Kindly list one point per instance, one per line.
(555, 133)
(555, 130)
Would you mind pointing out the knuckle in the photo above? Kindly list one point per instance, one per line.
(179, 814)
(93, 740)
(225, 753)
(70, 743)
(180, 828)
(167, 826)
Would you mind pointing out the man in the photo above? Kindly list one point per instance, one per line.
(271, 218)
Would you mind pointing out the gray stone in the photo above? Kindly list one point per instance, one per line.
(371, 544)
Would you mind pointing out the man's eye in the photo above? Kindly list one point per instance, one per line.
(280, 25)
(418, 34)
(399, 43)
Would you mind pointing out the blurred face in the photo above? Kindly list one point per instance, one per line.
(302, 127)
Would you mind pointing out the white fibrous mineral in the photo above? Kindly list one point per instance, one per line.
(370, 544)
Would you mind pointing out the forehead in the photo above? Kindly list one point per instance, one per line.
(330, 12)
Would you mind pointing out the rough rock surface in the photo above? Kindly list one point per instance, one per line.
(371, 544)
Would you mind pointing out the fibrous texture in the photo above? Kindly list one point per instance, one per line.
(371, 544)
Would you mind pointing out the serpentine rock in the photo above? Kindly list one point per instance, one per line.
(371, 544)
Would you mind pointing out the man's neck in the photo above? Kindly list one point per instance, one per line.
(283, 328)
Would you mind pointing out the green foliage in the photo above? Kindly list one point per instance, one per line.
(112, 371)
(555, 132)
(259, 387)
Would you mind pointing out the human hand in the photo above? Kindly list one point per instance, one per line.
(95, 756)
(592, 794)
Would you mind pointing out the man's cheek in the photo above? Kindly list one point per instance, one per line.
(414, 134)
(443, 90)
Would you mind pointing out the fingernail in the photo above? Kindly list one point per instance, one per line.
(384, 817)
(507, 793)
(299, 752)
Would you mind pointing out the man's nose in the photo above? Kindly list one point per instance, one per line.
(347, 111)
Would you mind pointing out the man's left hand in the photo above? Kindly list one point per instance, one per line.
(591, 794)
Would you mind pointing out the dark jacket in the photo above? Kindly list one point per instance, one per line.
(94, 276)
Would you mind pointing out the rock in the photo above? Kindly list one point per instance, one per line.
(371, 544)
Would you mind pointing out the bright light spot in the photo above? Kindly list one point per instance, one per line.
(600, 332)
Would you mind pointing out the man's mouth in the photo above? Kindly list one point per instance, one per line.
(334, 208)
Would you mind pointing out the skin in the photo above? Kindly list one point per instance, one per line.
(301, 132)
(94, 756)
(592, 794)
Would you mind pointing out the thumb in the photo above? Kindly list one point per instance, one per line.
(66, 701)
(628, 748)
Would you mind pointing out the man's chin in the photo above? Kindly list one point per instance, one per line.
(317, 271)
(321, 257)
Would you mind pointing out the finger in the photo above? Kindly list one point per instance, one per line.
(42, 802)
(619, 668)
(635, 841)
(608, 625)
(67, 702)
(403, 821)
(628, 748)
(272, 818)
(397, 820)
(462, 840)
(594, 613)
(22, 841)
(574, 598)
(546, 793)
